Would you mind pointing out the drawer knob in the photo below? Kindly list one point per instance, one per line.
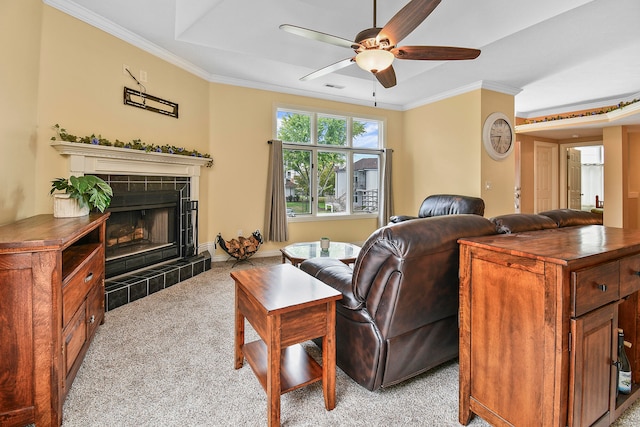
(88, 278)
(92, 319)
(602, 287)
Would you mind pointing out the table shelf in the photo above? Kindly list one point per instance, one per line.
(297, 367)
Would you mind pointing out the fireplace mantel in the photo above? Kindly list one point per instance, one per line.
(98, 159)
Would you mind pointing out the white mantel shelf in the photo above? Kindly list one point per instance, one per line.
(92, 153)
(99, 159)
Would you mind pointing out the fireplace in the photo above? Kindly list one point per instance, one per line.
(144, 229)
(151, 234)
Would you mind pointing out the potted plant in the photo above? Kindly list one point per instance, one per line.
(80, 195)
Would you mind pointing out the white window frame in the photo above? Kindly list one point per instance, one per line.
(314, 147)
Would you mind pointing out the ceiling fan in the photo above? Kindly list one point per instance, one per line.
(376, 48)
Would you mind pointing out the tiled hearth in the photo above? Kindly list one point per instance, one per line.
(121, 291)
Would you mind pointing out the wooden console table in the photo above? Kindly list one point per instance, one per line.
(539, 314)
(51, 303)
(285, 306)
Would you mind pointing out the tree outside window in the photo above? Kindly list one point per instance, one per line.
(329, 170)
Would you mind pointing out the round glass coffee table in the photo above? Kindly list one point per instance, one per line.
(298, 252)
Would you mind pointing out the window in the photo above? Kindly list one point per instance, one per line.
(331, 162)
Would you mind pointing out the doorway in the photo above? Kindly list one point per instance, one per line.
(582, 175)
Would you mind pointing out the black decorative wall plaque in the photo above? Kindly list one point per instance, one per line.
(145, 101)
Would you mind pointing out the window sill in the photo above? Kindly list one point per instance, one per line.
(331, 217)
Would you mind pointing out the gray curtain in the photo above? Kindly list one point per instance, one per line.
(385, 210)
(275, 225)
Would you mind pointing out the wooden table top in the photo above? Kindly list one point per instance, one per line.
(283, 288)
(563, 245)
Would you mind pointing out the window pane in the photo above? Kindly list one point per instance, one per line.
(297, 171)
(294, 127)
(366, 181)
(332, 130)
(333, 182)
(366, 133)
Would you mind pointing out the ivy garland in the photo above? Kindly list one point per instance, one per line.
(585, 114)
(134, 144)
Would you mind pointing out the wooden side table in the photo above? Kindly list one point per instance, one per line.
(285, 306)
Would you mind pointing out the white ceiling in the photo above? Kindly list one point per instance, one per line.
(552, 55)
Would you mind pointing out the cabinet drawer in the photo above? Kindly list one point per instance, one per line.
(74, 335)
(629, 275)
(95, 308)
(594, 287)
(75, 290)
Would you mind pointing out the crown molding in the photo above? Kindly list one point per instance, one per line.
(481, 84)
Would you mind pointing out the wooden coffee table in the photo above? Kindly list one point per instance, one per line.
(298, 252)
(286, 306)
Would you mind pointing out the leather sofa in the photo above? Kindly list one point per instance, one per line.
(399, 313)
(445, 204)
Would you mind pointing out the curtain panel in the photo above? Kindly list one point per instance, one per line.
(276, 223)
(386, 209)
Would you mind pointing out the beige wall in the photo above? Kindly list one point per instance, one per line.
(497, 179)
(74, 78)
(615, 147)
(81, 85)
(441, 152)
(19, 69)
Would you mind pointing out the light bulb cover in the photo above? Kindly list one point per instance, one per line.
(374, 60)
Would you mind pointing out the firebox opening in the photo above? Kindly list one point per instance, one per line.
(138, 231)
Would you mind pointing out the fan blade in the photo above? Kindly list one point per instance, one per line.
(322, 37)
(434, 53)
(387, 77)
(406, 20)
(328, 69)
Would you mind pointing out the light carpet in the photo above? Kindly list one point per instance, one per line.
(167, 360)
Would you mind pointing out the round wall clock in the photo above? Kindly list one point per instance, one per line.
(497, 136)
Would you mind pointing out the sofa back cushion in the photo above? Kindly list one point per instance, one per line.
(521, 222)
(450, 204)
(573, 217)
(407, 273)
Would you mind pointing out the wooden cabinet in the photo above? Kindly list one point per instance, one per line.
(539, 314)
(51, 301)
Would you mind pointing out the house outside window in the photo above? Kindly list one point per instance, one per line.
(331, 162)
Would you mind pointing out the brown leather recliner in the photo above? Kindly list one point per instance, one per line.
(399, 313)
(445, 204)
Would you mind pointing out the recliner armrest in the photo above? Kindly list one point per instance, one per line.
(336, 274)
(399, 218)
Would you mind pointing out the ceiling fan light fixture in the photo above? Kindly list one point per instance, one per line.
(374, 60)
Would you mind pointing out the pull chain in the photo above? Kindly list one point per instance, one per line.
(375, 99)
